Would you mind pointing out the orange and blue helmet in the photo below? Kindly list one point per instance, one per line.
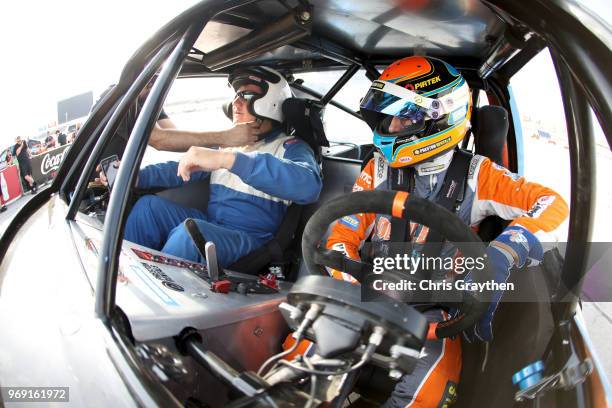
(432, 105)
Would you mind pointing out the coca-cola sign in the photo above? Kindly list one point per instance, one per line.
(51, 161)
(45, 165)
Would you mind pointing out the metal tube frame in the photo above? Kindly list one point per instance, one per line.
(127, 174)
(317, 95)
(190, 23)
(348, 74)
(581, 141)
(288, 29)
(113, 123)
(576, 45)
(582, 166)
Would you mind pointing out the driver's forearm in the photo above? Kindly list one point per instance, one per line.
(175, 140)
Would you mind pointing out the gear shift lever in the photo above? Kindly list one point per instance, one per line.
(211, 261)
(206, 249)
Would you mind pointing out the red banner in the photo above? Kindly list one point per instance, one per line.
(11, 186)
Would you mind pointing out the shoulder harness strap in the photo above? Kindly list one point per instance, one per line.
(450, 196)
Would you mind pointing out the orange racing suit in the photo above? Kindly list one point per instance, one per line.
(490, 190)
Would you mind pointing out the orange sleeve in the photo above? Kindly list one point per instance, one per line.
(349, 232)
(537, 208)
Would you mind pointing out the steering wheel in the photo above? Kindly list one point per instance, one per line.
(399, 204)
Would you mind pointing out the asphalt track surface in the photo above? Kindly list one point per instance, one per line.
(597, 315)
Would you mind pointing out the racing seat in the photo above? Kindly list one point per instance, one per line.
(490, 129)
(521, 330)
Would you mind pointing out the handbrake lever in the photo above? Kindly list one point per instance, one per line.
(207, 250)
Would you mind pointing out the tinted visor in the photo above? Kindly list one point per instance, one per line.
(385, 103)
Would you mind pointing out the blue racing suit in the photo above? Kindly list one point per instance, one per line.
(246, 205)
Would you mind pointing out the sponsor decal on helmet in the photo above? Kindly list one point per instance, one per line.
(457, 116)
(350, 221)
(405, 159)
(427, 82)
(383, 228)
(433, 146)
(357, 187)
(542, 204)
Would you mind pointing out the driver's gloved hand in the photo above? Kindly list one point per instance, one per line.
(511, 248)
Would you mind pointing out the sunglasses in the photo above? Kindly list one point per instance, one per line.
(246, 95)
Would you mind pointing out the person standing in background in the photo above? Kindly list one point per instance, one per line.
(22, 153)
(61, 138)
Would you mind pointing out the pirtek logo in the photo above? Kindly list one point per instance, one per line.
(51, 162)
(428, 82)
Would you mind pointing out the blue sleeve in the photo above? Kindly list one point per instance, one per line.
(164, 175)
(296, 177)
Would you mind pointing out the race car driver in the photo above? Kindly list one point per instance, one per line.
(419, 110)
(250, 186)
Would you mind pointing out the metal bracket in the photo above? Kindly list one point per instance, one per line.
(573, 373)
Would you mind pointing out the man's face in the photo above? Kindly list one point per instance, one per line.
(240, 109)
(18, 140)
(398, 124)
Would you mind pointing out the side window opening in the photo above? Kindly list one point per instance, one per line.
(542, 118)
(540, 105)
(340, 127)
(193, 104)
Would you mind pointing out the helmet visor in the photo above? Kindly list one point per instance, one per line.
(378, 101)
